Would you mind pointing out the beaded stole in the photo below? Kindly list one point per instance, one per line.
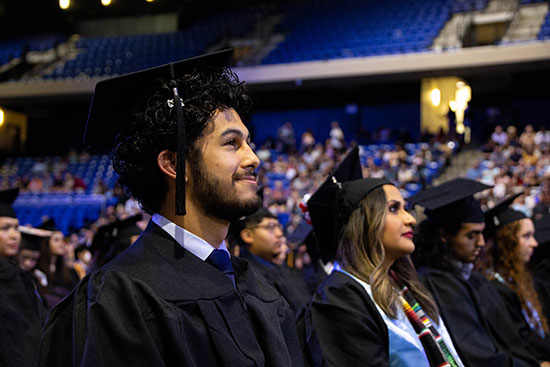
(436, 350)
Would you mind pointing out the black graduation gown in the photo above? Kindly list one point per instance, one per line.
(482, 334)
(290, 284)
(159, 305)
(540, 347)
(21, 317)
(341, 326)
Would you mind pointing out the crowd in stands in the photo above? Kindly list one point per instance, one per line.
(515, 162)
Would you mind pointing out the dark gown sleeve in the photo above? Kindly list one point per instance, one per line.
(133, 328)
(462, 314)
(538, 346)
(341, 326)
(20, 317)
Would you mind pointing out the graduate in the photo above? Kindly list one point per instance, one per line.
(175, 297)
(371, 310)
(447, 243)
(21, 312)
(261, 239)
(508, 256)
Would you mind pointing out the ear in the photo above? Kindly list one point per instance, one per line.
(443, 235)
(247, 236)
(166, 161)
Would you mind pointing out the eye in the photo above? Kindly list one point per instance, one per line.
(394, 207)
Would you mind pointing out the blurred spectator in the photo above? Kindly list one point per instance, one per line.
(286, 137)
(308, 140)
(527, 138)
(336, 136)
(499, 136)
(542, 136)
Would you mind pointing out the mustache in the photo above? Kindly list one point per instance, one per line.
(245, 173)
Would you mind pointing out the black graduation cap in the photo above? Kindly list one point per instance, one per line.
(115, 98)
(7, 197)
(119, 230)
(48, 225)
(31, 238)
(330, 206)
(500, 215)
(452, 201)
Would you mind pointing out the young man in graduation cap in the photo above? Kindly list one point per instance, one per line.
(447, 243)
(261, 238)
(175, 298)
(21, 313)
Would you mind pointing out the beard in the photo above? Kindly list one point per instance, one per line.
(217, 198)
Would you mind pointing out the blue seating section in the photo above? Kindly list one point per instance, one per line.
(70, 211)
(460, 6)
(10, 50)
(544, 32)
(44, 42)
(91, 170)
(321, 30)
(111, 56)
(523, 2)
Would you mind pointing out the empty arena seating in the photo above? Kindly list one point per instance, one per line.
(109, 56)
(351, 28)
(544, 32)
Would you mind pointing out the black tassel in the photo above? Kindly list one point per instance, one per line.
(180, 153)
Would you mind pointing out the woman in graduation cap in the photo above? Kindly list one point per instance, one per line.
(61, 278)
(21, 313)
(506, 266)
(372, 310)
(448, 242)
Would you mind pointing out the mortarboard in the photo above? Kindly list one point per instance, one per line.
(7, 197)
(334, 201)
(31, 238)
(119, 230)
(48, 225)
(452, 201)
(499, 216)
(114, 99)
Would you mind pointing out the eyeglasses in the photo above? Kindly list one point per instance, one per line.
(270, 226)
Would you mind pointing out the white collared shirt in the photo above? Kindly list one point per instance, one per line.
(192, 243)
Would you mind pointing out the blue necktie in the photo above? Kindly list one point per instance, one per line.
(220, 259)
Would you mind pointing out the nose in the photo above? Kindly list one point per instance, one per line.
(408, 219)
(534, 243)
(480, 240)
(250, 158)
(279, 232)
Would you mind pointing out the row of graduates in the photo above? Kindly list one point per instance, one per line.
(177, 297)
(379, 309)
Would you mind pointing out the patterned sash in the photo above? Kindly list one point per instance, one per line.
(436, 350)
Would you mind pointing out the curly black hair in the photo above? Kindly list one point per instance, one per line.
(151, 128)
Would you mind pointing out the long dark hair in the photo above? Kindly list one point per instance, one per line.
(62, 275)
(361, 253)
(507, 262)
